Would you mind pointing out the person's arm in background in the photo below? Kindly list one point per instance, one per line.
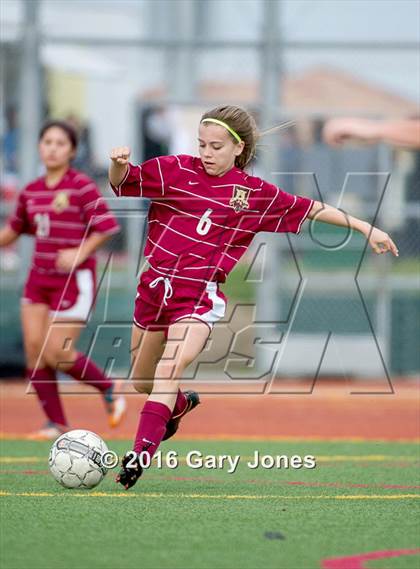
(380, 241)
(7, 236)
(403, 132)
(17, 223)
(68, 259)
(101, 222)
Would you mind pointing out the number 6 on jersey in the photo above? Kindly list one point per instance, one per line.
(203, 226)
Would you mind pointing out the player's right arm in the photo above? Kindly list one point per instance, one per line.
(119, 164)
(150, 179)
(7, 236)
(17, 223)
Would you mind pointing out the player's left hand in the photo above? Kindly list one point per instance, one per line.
(67, 259)
(381, 242)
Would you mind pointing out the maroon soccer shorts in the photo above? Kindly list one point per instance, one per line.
(162, 301)
(68, 296)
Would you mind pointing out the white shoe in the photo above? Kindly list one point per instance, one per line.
(119, 407)
(48, 433)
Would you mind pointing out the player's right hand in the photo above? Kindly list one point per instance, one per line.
(381, 242)
(120, 155)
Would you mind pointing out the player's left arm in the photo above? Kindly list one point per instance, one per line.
(68, 259)
(380, 241)
(101, 223)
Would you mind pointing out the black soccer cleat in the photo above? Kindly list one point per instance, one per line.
(130, 470)
(193, 400)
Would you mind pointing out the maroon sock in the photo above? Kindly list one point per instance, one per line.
(180, 405)
(152, 427)
(45, 385)
(87, 371)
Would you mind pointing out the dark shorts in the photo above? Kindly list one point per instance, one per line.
(162, 301)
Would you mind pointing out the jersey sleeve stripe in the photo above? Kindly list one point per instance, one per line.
(270, 204)
(305, 216)
(81, 176)
(161, 177)
(140, 181)
(92, 203)
(87, 188)
(285, 213)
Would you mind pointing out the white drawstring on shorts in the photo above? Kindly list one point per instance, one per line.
(168, 287)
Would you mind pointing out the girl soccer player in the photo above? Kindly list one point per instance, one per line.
(70, 220)
(203, 216)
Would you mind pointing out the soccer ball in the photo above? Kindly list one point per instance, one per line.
(75, 459)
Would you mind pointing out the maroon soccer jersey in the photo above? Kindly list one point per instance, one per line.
(60, 217)
(201, 225)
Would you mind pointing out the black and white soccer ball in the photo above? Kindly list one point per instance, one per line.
(75, 459)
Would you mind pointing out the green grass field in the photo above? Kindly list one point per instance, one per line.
(361, 497)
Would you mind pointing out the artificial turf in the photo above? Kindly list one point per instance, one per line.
(361, 497)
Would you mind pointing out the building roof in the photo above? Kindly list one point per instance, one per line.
(318, 90)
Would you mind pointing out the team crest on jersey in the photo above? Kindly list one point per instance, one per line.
(60, 202)
(239, 199)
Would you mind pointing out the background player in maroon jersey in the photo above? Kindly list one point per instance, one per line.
(203, 216)
(69, 219)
